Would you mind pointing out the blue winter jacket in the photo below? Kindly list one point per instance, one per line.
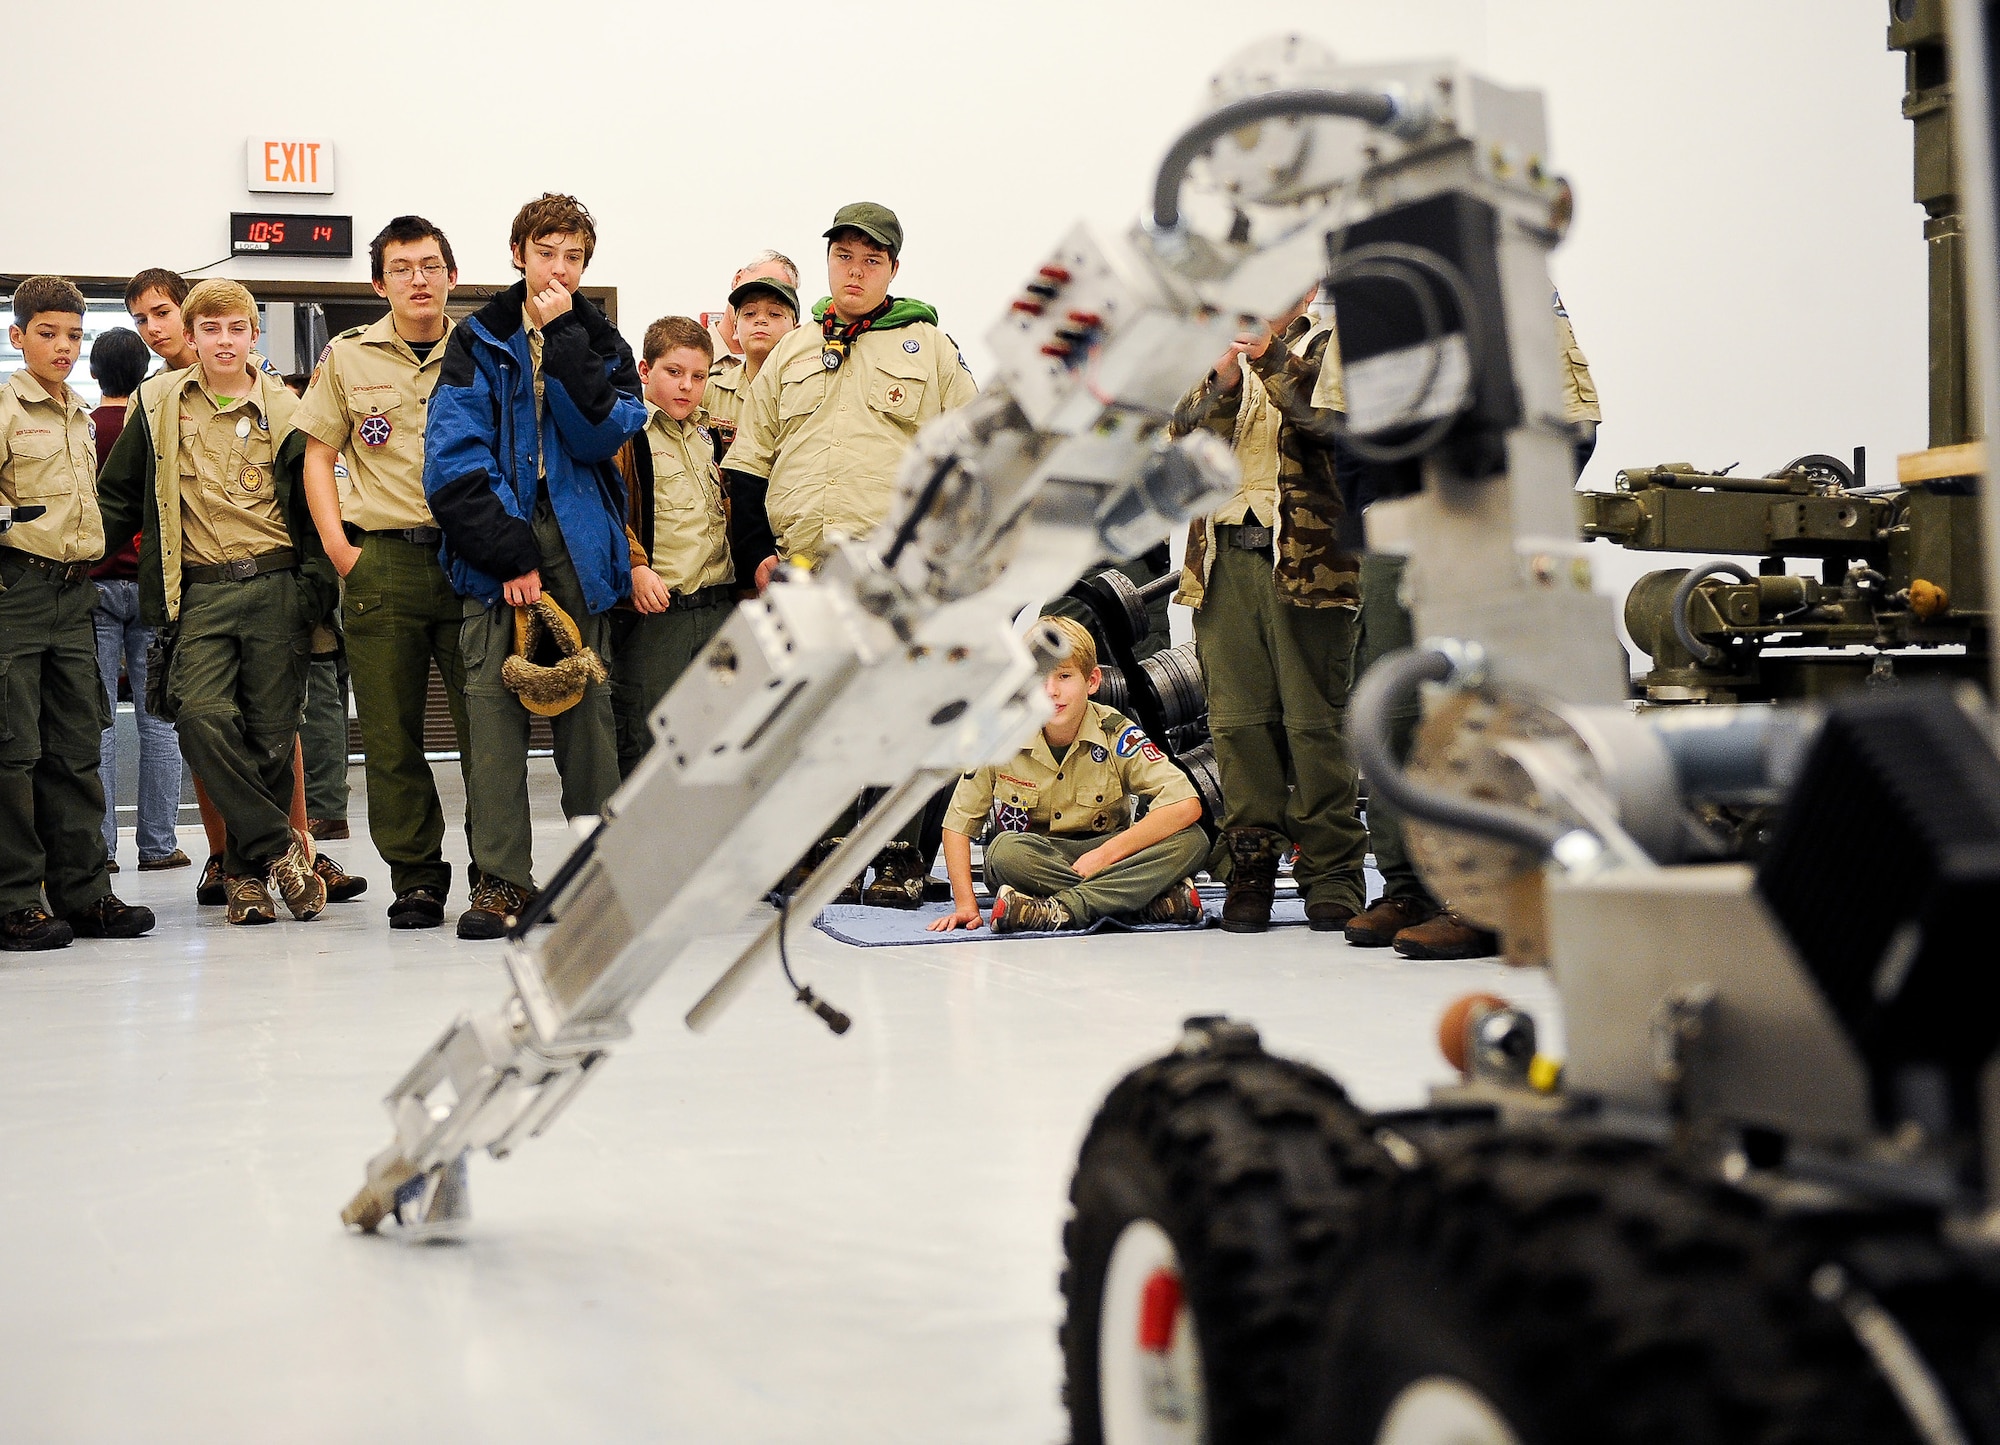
(479, 448)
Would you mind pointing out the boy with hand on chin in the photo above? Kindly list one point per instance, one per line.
(681, 572)
(53, 710)
(210, 474)
(1064, 856)
(537, 395)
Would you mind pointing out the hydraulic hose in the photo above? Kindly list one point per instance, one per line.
(1375, 108)
(1394, 680)
(1677, 610)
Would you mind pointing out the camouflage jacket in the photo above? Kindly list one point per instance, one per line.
(1309, 567)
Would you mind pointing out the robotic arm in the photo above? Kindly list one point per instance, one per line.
(896, 663)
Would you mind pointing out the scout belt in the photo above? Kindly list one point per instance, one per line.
(64, 572)
(1244, 538)
(422, 536)
(243, 568)
(716, 596)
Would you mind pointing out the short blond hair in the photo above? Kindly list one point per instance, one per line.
(1081, 648)
(218, 297)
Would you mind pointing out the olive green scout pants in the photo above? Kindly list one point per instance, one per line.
(496, 788)
(52, 719)
(1038, 864)
(236, 691)
(653, 651)
(1278, 676)
(400, 614)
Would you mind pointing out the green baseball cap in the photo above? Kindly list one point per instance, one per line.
(765, 286)
(876, 222)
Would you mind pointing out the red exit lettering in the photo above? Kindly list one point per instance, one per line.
(286, 163)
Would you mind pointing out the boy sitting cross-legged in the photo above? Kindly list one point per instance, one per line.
(1064, 856)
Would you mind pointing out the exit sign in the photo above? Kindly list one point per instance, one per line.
(302, 164)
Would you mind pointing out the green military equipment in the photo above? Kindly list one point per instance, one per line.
(1901, 590)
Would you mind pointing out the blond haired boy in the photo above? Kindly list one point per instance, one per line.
(1065, 852)
(228, 555)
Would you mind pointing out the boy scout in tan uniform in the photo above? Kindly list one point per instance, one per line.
(1054, 805)
(681, 532)
(229, 553)
(758, 332)
(367, 402)
(1277, 603)
(53, 709)
(835, 406)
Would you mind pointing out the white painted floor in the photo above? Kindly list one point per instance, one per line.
(761, 1234)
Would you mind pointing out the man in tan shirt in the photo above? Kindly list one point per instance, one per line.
(681, 571)
(53, 710)
(368, 401)
(834, 408)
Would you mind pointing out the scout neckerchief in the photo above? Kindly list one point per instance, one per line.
(841, 335)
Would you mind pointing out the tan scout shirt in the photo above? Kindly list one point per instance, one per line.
(1256, 446)
(1090, 791)
(728, 390)
(541, 388)
(229, 493)
(368, 402)
(830, 441)
(690, 530)
(1579, 389)
(48, 458)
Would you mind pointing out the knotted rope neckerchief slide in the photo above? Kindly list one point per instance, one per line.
(840, 336)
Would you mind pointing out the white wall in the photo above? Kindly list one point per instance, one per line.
(1746, 271)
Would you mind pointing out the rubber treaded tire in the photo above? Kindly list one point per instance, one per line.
(1595, 1292)
(1256, 1168)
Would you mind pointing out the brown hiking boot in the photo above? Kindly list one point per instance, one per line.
(495, 904)
(1383, 919)
(899, 878)
(1446, 936)
(1253, 878)
(1326, 916)
(793, 881)
(340, 884)
(30, 930)
(293, 878)
(211, 890)
(328, 828)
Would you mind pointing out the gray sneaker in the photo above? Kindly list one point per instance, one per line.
(1179, 904)
(1016, 912)
(294, 879)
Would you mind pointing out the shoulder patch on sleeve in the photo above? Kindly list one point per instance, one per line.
(1130, 741)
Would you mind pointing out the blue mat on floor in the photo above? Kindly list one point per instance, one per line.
(866, 927)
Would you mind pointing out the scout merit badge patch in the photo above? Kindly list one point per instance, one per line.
(252, 477)
(1011, 818)
(913, 347)
(896, 394)
(374, 431)
(1098, 755)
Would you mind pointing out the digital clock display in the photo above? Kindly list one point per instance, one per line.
(261, 233)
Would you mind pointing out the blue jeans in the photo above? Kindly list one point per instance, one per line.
(121, 636)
